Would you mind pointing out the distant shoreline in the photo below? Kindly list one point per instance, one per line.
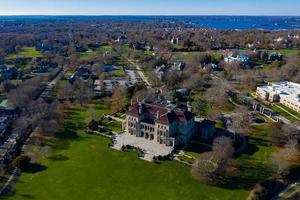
(224, 22)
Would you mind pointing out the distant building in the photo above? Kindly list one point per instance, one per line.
(121, 39)
(138, 46)
(243, 60)
(286, 93)
(175, 40)
(97, 87)
(179, 66)
(159, 124)
(161, 72)
(107, 68)
(9, 73)
(274, 56)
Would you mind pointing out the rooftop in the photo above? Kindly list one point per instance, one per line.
(288, 89)
(160, 114)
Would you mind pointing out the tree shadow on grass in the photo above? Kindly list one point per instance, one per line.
(247, 175)
(197, 148)
(58, 158)
(35, 168)
(249, 150)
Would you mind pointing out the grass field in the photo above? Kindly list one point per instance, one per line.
(254, 164)
(119, 73)
(82, 166)
(96, 52)
(25, 52)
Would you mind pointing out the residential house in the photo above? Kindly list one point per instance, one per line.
(161, 72)
(175, 40)
(138, 46)
(274, 56)
(178, 66)
(243, 60)
(121, 39)
(9, 73)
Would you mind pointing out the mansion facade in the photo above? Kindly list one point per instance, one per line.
(159, 124)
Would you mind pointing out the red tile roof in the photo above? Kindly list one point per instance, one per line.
(165, 116)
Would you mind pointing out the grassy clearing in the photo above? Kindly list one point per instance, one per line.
(25, 52)
(98, 52)
(81, 166)
(119, 73)
(281, 109)
(254, 163)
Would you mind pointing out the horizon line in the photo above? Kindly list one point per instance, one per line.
(142, 15)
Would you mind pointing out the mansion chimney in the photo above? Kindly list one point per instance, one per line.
(140, 108)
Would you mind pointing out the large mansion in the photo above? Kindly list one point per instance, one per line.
(159, 124)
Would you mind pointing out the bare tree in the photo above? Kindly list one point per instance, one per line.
(118, 100)
(213, 166)
(285, 157)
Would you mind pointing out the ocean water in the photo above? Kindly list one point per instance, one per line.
(214, 22)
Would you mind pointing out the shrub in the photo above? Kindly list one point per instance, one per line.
(265, 189)
(93, 125)
(21, 162)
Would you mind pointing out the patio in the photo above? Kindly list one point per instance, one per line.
(151, 148)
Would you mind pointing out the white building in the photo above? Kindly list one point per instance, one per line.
(286, 93)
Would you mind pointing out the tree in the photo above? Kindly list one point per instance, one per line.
(240, 120)
(199, 107)
(216, 95)
(213, 166)
(83, 91)
(21, 162)
(65, 91)
(285, 157)
(280, 133)
(118, 100)
(223, 150)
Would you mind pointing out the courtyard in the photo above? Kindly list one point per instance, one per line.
(151, 148)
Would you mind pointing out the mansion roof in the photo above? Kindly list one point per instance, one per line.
(159, 114)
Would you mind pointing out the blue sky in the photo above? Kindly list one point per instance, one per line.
(150, 7)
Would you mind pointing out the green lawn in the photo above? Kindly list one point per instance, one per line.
(82, 166)
(96, 52)
(254, 164)
(25, 52)
(119, 73)
(286, 114)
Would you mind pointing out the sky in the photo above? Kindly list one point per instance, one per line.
(150, 7)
